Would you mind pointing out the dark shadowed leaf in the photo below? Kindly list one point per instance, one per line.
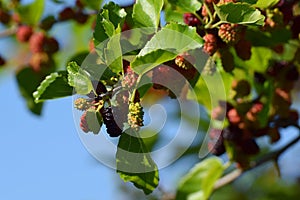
(134, 162)
(53, 86)
(28, 81)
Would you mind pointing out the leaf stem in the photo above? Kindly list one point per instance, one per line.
(200, 18)
(228, 178)
(216, 24)
(135, 88)
(211, 18)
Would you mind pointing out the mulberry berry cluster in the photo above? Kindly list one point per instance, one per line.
(251, 119)
(112, 127)
(130, 78)
(210, 44)
(171, 76)
(135, 115)
(230, 33)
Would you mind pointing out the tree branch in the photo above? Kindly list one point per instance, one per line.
(228, 178)
(273, 156)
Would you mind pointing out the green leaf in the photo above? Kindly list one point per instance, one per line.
(31, 13)
(28, 81)
(135, 164)
(239, 13)
(165, 45)
(53, 86)
(263, 4)
(146, 13)
(79, 79)
(186, 5)
(94, 120)
(145, 63)
(172, 14)
(107, 21)
(114, 13)
(113, 54)
(198, 183)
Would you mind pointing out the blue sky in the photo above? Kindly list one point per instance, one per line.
(42, 157)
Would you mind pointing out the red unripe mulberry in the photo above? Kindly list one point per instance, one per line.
(210, 44)
(36, 42)
(190, 19)
(24, 33)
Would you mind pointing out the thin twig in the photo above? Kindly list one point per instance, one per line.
(8, 32)
(275, 154)
(228, 178)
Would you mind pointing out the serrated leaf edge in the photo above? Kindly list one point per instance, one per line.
(43, 86)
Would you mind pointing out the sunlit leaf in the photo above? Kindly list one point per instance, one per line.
(146, 13)
(79, 79)
(186, 5)
(165, 45)
(263, 4)
(198, 183)
(239, 13)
